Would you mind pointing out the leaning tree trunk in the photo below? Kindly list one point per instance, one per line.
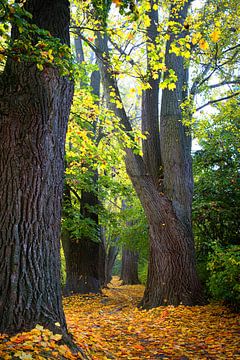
(33, 120)
(172, 277)
(129, 270)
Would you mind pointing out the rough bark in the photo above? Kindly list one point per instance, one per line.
(83, 256)
(34, 110)
(172, 277)
(175, 138)
(129, 269)
(150, 108)
(82, 274)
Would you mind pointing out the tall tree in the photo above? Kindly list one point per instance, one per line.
(34, 113)
(84, 254)
(129, 269)
(172, 246)
(164, 186)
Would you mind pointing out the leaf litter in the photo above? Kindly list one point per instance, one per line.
(110, 326)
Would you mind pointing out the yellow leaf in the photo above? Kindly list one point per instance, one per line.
(203, 44)
(155, 7)
(40, 67)
(39, 327)
(196, 37)
(56, 337)
(215, 35)
(171, 86)
(21, 355)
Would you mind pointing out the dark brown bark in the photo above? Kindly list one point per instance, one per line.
(172, 278)
(175, 138)
(33, 121)
(82, 271)
(85, 257)
(129, 269)
(150, 108)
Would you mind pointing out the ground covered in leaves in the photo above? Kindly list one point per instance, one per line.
(111, 327)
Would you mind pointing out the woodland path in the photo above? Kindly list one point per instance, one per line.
(111, 327)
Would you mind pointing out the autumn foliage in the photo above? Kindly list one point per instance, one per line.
(110, 326)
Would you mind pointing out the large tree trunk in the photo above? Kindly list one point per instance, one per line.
(129, 270)
(82, 268)
(172, 277)
(33, 120)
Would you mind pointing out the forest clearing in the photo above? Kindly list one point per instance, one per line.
(110, 326)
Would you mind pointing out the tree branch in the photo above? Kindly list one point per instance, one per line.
(231, 82)
(218, 100)
(74, 192)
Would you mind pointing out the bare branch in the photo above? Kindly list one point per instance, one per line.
(218, 100)
(231, 48)
(198, 81)
(231, 82)
(74, 192)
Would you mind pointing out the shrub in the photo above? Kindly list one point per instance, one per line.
(223, 282)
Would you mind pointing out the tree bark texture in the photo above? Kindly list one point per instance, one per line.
(129, 270)
(172, 277)
(82, 268)
(34, 110)
(175, 138)
(150, 108)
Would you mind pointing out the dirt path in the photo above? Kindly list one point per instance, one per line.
(111, 327)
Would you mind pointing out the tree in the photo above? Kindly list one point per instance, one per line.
(84, 254)
(166, 199)
(216, 171)
(163, 177)
(35, 103)
(129, 269)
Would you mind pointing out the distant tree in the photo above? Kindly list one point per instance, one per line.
(129, 268)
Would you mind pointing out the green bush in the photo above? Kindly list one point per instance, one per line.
(223, 282)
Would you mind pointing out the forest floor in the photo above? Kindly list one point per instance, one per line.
(110, 326)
